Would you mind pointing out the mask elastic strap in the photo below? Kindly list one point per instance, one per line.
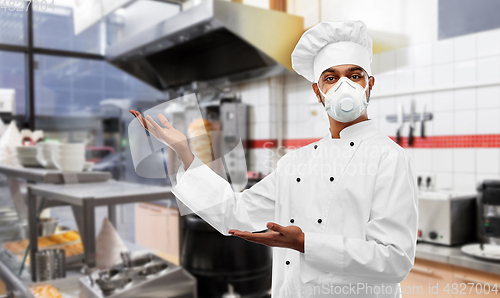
(366, 89)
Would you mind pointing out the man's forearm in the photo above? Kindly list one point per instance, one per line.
(186, 157)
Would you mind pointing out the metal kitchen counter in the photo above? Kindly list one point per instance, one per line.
(19, 284)
(454, 256)
(83, 198)
(41, 175)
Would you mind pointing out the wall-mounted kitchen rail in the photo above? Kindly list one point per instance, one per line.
(407, 117)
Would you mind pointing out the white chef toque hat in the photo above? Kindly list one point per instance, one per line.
(330, 44)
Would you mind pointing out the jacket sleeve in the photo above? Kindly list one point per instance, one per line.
(212, 198)
(387, 253)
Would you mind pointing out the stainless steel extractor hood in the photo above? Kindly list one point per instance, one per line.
(213, 41)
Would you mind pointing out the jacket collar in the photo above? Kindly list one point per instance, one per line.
(359, 130)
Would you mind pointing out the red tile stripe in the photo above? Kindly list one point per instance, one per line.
(261, 144)
(458, 141)
(272, 143)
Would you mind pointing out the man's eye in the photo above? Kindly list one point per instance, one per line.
(329, 79)
(355, 77)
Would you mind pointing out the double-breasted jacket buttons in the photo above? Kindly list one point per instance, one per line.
(298, 179)
(287, 262)
(315, 146)
(352, 144)
(292, 220)
(319, 220)
(331, 178)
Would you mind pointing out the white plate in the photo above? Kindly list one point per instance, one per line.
(490, 252)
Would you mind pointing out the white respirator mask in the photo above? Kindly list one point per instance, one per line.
(346, 100)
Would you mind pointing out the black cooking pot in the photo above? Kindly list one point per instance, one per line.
(217, 260)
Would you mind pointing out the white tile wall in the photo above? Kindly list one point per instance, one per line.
(443, 123)
(424, 77)
(464, 160)
(423, 55)
(465, 47)
(386, 106)
(444, 180)
(386, 82)
(405, 58)
(488, 121)
(442, 160)
(465, 99)
(443, 51)
(488, 69)
(424, 157)
(464, 182)
(375, 64)
(443, 101)
(488, 97)
(443, 75)
(488, 43)
(465, 122)
(387, 61)
(373, 109)
(488, 161)
(403, 80)
(465, 72)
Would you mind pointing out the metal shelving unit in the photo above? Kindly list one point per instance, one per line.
(83, 198)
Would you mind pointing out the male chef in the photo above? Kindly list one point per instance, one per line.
(342, 211)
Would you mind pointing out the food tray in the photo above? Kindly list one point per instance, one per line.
(67, 287)
(19, 251)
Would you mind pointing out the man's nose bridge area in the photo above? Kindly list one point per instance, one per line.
(349, 83)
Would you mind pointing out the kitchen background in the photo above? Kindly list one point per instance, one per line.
(441, 56)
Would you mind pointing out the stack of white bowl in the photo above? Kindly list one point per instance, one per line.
(69, 157)
(27, 156)
(44, 154)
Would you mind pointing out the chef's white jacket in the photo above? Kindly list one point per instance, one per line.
(355, 199)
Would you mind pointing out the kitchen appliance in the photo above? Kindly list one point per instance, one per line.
(50, 264)
(217, 260)
(489, 252)
(228, 114)
(229, 41)
(488, 207)
(146, 276)
(446, 217)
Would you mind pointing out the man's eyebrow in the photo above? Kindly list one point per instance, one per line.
(355, 68)
(333, 70)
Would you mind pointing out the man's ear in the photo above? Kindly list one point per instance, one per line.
(316, 91)
(371, 82)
